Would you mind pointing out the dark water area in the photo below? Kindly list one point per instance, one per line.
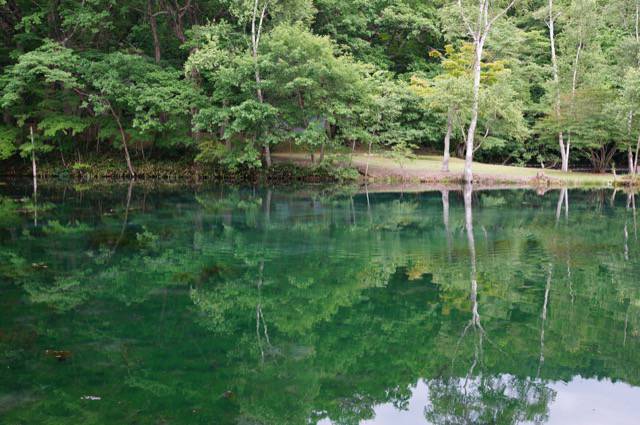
(168, 304)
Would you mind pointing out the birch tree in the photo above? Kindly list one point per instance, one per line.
(478, 18)
(625, 16)
(449, 95)
(631, 103)
(550, 20)
(257, 20)
(499, 117)
(580, 55)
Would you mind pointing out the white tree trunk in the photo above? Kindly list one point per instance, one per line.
(635, 160)
(478, 30)
(468, 220)
(447, 143)
(34, 169)
(544, 319)
(565, 157)
(256, 33)
(574, 84)
(471, 132)
(564, 154)
(445, 220)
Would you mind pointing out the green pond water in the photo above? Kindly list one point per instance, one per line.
(151, 304)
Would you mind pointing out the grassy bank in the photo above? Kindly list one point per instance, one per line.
(296, 167)
(427, 169)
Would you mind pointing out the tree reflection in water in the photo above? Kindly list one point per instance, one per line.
(280, 307)
(481, 397)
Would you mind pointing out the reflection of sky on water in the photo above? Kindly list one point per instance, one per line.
(581, 402)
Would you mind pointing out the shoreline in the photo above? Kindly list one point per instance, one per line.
(356, 169)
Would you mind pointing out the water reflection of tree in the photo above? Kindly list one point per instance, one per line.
(488, 399)
(296, 333)
(480, 397)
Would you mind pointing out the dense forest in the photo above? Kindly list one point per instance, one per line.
(539, 82)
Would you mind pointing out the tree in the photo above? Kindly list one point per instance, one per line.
(478, 28)
(261, 10)
(630, 100)
(28, 95)
(551, 20)
(581, 21)
(391, 35)
(500, 111)
(139, 95)
(447, 93)
(313, 89)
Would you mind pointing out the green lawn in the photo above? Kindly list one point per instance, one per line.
(427, 167)
(432, 164)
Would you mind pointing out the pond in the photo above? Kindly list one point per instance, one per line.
(167, 304)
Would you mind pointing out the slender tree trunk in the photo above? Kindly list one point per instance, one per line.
(176, 14)
(180, 29)
(366, 170)
(256, 32)
(468, 220)
(445, 220)
(33, 158)
(556, 81)
(635, 220)
(574, 83)
(629, 151)
(127, 157)
(635, 161)
(154, 30)
(626, 242)
(125, 221)
(565, 157)
(267, 207)
(447, 143)
(543, 316)
(468, 158)
(563, 200)
(478, 30)
(445, 210)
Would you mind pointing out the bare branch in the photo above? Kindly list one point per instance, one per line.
(486, 134)
(501, 13)
(253, 27)
(466, 20)
(262, 15)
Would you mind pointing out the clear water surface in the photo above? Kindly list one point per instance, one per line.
(143, 304)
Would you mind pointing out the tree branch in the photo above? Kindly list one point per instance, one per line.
(465, 20)
(502, 13)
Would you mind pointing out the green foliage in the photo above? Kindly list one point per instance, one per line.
(501, 126)
(221, 80)
(55, 227)
(8, 137)
(158, 291)
(154, 99)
